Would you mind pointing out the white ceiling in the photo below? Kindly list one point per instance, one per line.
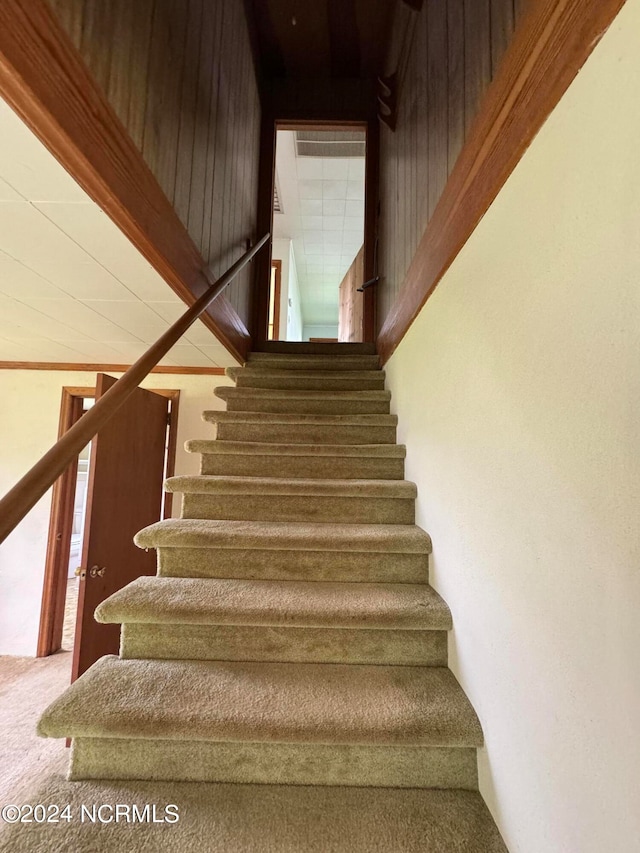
(322, 200)
(72, 286)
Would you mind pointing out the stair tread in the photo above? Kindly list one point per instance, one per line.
(267, 418)
(214, 484)
(310, 357)
(227, 392)
(265, 702)
(256, 448)
(258, 370)
(282, 535)
(277, 603)
(259, 818)
(313, 347)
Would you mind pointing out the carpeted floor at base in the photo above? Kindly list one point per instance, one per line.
(216, 818)
(213, 818)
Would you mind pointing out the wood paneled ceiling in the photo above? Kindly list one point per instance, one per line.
(322, 38)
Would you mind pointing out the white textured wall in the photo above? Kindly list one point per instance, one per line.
(294, 302)
(518, 393)
(28, 427)
(290, 315)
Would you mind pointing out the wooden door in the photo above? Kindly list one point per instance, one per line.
(351, 302)
(124, 494)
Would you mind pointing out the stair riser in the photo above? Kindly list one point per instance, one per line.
(270, 564)
(335, 363)
(263, 379)
(326, 406)
(274, 763)
(259, 507)
(305, 433)
(283, 644)
(343, 468)
(313, 348)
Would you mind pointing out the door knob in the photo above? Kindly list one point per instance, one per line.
(94, 572)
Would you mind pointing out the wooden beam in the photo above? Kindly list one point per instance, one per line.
(44, 79)
(550, 45)
(113, 368)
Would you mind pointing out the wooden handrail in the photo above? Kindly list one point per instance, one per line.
(28, 491)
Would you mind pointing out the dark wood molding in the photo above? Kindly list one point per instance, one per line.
(59, 538)
(113, 368)
(266, 178)
(371, 205)
(276, 265)
(43, 78)
(270, 126)
(551, 44)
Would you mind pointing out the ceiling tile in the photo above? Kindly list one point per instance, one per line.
(97, 351)
(311, 206)
(91, 228)
(29, 237)
(313, 248)
(169, 311)
(355, 190)
(333, 207)
(355, 207)
(28, 166)
(69, 279)
(332, 238)
(357, 169)
(332, 223)
(40, 350)
(21, 282)
(190, 356)
(335, 169)
(312, 223)
(129, 351)
(134, 317)
(354, 223)
(7, 192)
(219, 356)
(310, 189)
(30, 321)
(309, 168)
(200, 335)
(334, 189)
(81, 318)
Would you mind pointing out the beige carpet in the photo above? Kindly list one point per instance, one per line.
(213, 818)
(238, 721)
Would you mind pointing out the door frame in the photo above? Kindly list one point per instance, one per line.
(61, 517)
(266, 184)
(277, 294)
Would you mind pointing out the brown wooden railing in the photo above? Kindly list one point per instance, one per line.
(28, 491)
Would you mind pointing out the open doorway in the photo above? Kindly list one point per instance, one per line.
(68, 521)
(318, 233)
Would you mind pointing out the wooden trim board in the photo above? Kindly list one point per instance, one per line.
(43, 78)
(552, 43)
(113, 368)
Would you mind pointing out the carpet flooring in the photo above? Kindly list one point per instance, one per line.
(213, 818)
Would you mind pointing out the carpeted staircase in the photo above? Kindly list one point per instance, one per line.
(291, 635)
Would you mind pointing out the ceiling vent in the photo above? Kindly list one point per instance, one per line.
(324, 143)
(277, 203)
